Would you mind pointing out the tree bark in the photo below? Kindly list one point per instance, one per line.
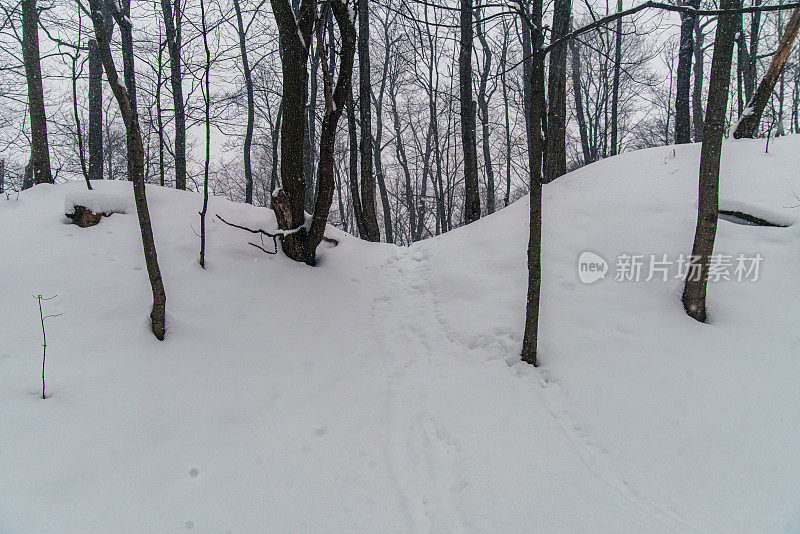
(748, 123)
(95, 140)
(355, 195)
(295, 35)
(248, 83)
(172, 28)
(694, 292)
(135, 172)
(577, 93)
(207, 102)
(472, 202)
(697, 86)
(555, 153)
(533, 85)
(372, 232)
(483, 108)
(615, 83)
(40, 150)
(685, 54)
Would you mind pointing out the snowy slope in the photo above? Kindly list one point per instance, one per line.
(381, 391)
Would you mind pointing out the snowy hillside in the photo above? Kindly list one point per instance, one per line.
(382, 392)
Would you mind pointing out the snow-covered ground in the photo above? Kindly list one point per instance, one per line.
(382, 392)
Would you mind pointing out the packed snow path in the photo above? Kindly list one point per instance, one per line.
(381, 391)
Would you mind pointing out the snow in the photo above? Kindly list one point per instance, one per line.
(382, 390)
(107, 202)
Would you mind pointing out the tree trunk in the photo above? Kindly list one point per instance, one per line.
(273, 182)
(40, 150)
(685, 54)
(576, 90)
(289, 207)
(372, 232)
(311, 129)
(555, 153)
(615, 83)
(503, 63)
(248, 83)
(172, 28)
(483, 107)
(697, 87)
(748, 123)
(472, 202)
(355, 195)
(95, 140)
(533, 84)
(694, 293)
(135, 173)
(387, 211)
(207, 102)
(126, 36)
(752, 60)
(334, 104)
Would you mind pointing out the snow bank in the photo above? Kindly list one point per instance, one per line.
(106, 202)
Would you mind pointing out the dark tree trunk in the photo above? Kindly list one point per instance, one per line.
(2, 175)
(387, 210)
(273, 182)
(752, 60)
(576, 90)
(95, 140)
(615, 83)
(207, 102)
(355, 195)
(697, 87)
(684, 74)
(555, 152)
(503, 62)
(40, 150)
(748, 123)
(248, 83)
(135, 173)
(472, 202)
(289, 207)
(483, 107)
(334, 104)
(172, 27)
(311, 129)
(533, 85)
(126, 36)
(694, 293)
(742, 60)
(372, 232)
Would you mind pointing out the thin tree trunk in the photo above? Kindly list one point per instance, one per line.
(135, 173)
(748, 123)
(694, 293)
(387, 210)
(685, 54)
(248, 83)
(273, 182)
(172, 28)
(503, 62)
(95, 140)
(472, 202)
(311, 130)
(533, 73)
(576, 91)
(483, 107)
(355, 195)
(40, 150)
(555, 153)
(615, 83)
(207, 99)
(372, 232)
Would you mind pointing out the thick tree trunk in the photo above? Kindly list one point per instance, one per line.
(751, 117)
(576, 90)
(126, 36)
(334, 104)
(697, 86)
(372, 232)
(40, 150)
(135, 172)
(752, 60)
(685, 55)
(95, 140)
(694, 293)
(248, 83)
(555, 153)
(615, 83)
(533, 84)
(472, 202)
(289, 207)
(172, 28)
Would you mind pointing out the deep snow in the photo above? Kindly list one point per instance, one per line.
(382, 392)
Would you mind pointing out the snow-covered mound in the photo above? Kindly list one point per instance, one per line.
(381, 391)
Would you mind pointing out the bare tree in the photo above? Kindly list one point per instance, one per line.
(472, 202)
(40, 150)
(172, 25)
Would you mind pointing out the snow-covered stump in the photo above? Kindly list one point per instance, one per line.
(86, 208)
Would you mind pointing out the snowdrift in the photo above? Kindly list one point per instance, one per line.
(382, 391)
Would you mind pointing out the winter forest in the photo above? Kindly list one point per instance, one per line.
(419, 265)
